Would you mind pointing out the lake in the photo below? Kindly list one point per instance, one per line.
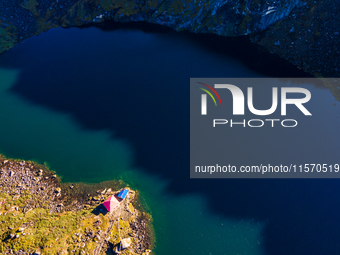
(97, 104)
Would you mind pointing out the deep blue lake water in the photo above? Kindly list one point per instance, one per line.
(77, 99)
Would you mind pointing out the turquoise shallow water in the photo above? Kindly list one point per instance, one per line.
(183, 224)
(31, 132)
(34, 126)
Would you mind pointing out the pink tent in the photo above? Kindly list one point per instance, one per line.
(111, 203)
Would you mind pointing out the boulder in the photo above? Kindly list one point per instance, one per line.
(126, 242)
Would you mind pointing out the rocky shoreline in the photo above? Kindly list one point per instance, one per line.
(40, 215)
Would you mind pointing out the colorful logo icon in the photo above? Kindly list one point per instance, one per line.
(204, 97)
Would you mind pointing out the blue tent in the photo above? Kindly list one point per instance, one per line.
(122, 194)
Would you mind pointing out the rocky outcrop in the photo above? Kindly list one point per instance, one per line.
(40, 215)
(304, 32)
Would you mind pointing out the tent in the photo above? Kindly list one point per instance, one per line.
(122, 194)
(111, 203)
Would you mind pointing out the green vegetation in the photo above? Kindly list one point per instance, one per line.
(39, 216)
(8, 37)
(37, 229)
(30, 5)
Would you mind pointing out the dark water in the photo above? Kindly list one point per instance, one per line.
(100, 105)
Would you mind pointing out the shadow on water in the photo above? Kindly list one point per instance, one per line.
(147, 102)
(241, 48)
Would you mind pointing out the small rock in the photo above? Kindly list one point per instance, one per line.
(126, 242)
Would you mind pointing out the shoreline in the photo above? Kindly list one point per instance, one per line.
(42, 215)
